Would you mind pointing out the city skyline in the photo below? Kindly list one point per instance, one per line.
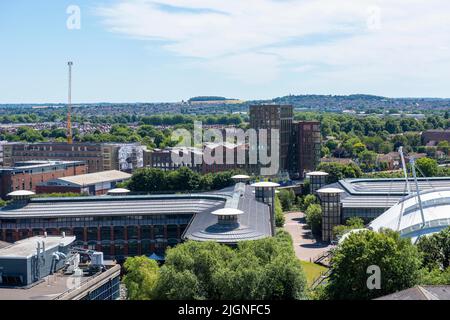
(171, 50)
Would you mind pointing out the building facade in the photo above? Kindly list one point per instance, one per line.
(48, 268)
(199, 160)
(300, 142)
(27, 175)
(433, 137)
(279, 117)
(97, 156)
(121, 226)
(367, 198)
(307, 139)
(97, 183)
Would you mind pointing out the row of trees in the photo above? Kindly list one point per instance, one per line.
(157, 120)
(264, 269)
(180, 180)
(335, 124)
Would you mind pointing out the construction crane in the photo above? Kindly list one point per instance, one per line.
(69, 106)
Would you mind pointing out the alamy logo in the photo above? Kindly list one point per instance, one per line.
(74, 20)
(208, 146)
(374, 18)
(374, 280)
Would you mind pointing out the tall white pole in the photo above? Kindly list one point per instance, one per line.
(400, 150)
(413, 166)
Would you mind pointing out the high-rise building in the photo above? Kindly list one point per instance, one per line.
(272, 116)
(307, 139)
(300, 142)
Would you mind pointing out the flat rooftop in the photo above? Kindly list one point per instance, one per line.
(255, 217)
(382, 193)
(94, 178)
(27, 248)
(57, 286)
(35, 164)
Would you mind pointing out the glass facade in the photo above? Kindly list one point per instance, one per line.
(317, 182)
(116, 236)
(108, 291)
(331, 214)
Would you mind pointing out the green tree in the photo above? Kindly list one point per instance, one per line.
(279, 215)
(368, 159)
(427, 166)
(444, 146)
(141, 277)
(148, 180)
(262, 269)
(313, 217)
(287, 199)
(398, 259)
(309, 200)
(350, 224)
(337, 171)
(436, 249)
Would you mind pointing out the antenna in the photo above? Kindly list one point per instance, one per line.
(69, 106)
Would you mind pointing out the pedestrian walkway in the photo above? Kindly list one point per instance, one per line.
(305, 245)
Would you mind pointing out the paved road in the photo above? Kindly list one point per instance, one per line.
(305, 245)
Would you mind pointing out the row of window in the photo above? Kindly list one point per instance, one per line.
(100, 234)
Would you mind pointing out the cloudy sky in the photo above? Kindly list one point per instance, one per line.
(169, 50)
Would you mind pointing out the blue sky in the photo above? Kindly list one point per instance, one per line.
(170, 50)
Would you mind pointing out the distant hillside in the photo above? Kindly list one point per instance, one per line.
(219, 105)
(361, 102)
(208, 98)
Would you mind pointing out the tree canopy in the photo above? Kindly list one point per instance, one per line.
(264, 269)
(182, 179)
(398, 260)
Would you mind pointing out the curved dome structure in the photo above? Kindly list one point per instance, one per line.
(406, 216)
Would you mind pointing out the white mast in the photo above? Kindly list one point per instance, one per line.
(400, 150)
(413, 166)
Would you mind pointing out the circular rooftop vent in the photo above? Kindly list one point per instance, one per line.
(21, 195)
(240, 176)
(227, 212)
(118, 192)
(330, 190)
(265, 184)
(317, 173)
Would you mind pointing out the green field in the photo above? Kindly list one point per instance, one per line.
(312, 270)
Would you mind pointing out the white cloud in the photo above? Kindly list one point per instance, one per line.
(257, 41)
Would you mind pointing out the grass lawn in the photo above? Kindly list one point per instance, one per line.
(312, 270)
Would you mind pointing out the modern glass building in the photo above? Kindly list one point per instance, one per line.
(122, 226)
(370, 198)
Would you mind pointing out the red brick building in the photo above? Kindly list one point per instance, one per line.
(28, 174)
